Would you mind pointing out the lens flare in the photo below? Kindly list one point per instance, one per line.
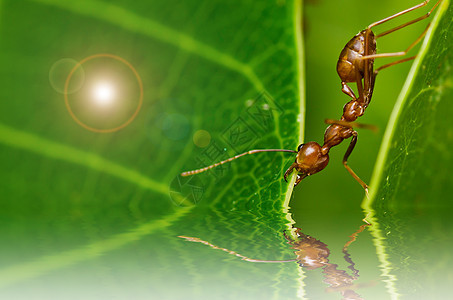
(58, 72)
(103, 93)
(201, 138)
(107, 91)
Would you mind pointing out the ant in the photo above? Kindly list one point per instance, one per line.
(355, 64)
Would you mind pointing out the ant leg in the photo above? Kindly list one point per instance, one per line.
(351, 124)
(354, 235)
(369, 76)
(347, 256)
(359, 83)
(369, 86)
(347, 90)
(395, 63)
(401, 53)
(365, 219)
(410, 22)
(404, 12)
(345, 162)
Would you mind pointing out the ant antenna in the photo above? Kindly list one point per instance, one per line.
(195, 239)
(188, 173)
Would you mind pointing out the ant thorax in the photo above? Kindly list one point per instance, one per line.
(352, 110)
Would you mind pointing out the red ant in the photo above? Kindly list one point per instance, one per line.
(355, 64)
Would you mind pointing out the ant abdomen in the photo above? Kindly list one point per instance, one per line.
(350, 61)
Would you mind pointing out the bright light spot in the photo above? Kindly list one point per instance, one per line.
(103, 93)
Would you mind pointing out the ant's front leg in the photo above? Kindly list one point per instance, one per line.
(348, 168)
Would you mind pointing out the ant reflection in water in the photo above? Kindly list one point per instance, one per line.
(313, 254)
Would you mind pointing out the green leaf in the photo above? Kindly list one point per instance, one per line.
(414, 161)
(100, 213)
(410, 202)
(75, 199)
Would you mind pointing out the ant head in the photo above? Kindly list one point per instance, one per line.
(310, 159)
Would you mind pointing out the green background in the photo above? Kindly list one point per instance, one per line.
(97, 215)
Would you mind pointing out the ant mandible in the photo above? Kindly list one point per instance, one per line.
(355, 64)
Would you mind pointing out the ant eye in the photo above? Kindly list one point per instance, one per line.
(300, 146)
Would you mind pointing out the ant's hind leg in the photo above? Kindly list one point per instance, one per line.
(402, 13)
(407, 23)
(394, 63)
(345, 162)
(401, 53)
